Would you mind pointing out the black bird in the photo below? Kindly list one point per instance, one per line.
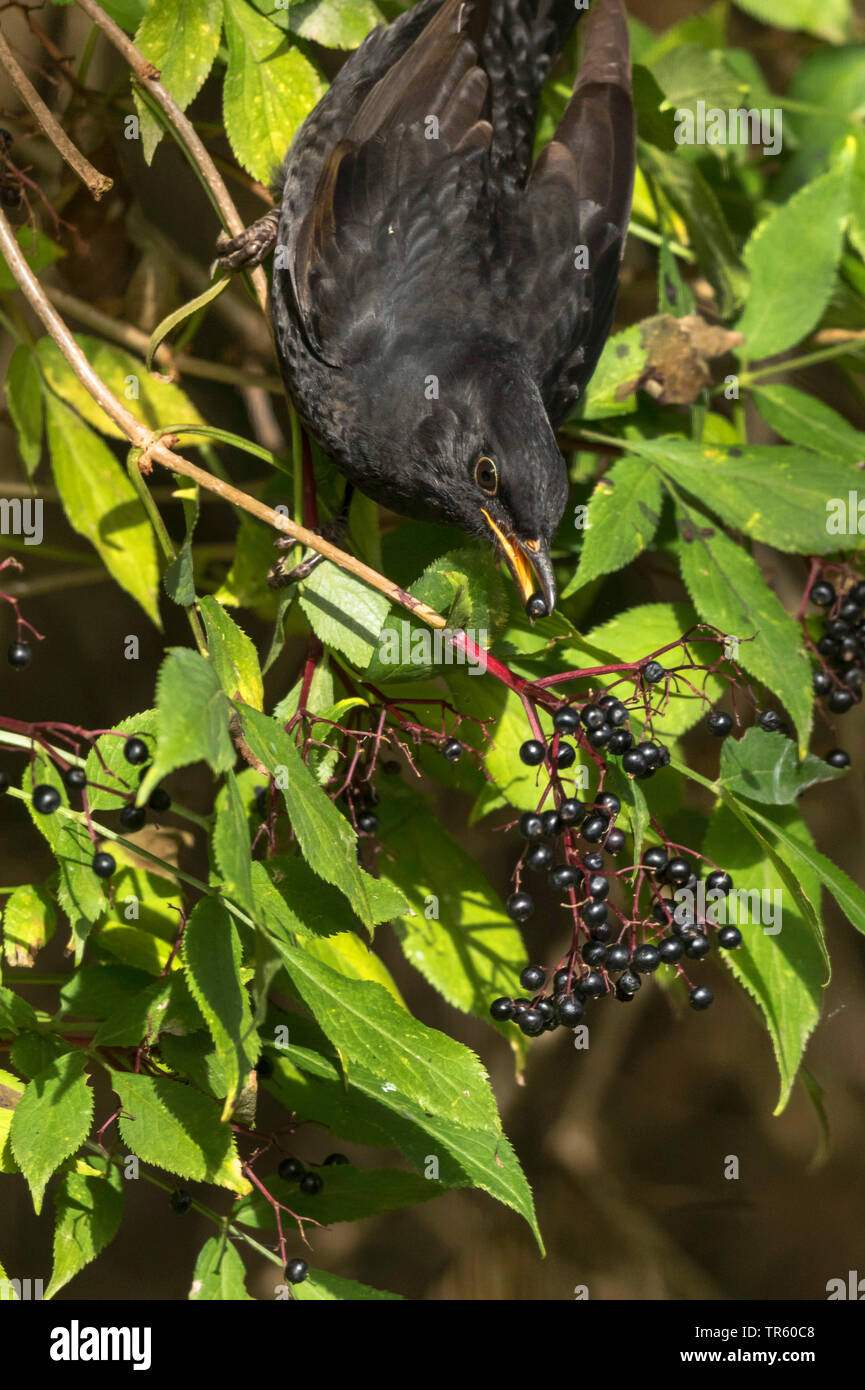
(439, 302)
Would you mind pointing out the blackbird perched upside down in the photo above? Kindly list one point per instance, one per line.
(439, 302)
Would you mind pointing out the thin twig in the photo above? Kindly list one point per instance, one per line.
(96, 183)
(148, 76)
(156, 450)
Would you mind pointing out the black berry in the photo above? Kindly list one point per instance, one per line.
(519, 907)
(770, 720)
(566, 756)
(670, 949)
(598, 887)
(646, 959)
(367, 822)
(840, 701)
(291, 1170)
(618, 957)
(133, 817)
(836, 757)
(74, 779)
(532, 977)
(592, 986)
(571, 812)
(539, 857)
(592, 717)
(629, 983)
(678, 870)
(336, 1161)
(453, 750)
(697, 946)
(620, 741)
(822, 594)
(532, 752)
(719, 880)
(45, 799)
(633, 762)
(20, 654)
(135, 751)
(104, 864)
(594, 953)
(594, 914)
(551, 822)
(594, 828)
(531, 1022)
(822, 682)
(566, 720)
(180, 1201)
(310, 1184)
(593, 861)
(600, 737)
(653, 672)
(159, 800)
(656, 859)
(719, 723)
(615, 841)
(616, 714)
(569, 1011)
(531, 827)
(536, 607)
(502, 1010)
(729, 938)
(296, 1271)
(701, 997)
(563, 876)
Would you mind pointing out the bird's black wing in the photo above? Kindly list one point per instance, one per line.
(394, 188)
(567, 233)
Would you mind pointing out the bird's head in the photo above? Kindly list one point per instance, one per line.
(478, 451)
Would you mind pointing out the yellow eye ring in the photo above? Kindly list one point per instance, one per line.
(487, 476)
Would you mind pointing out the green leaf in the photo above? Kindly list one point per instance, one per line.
(181, 39)
(694, 201)
(88, 1206)
(327, 841)
(11, 1091)
(15, 1012)
(369, 1028)
(772, 493)
(348, 1194)
(764, 767)
(81, 894)
(805, 420)
(212, 956)
(162, 1007)
(270, 87)
(231, 845)
(23, 389)
(611, 389)
(178, 1129)
(343, 612)
(793, 257)
(454, 930)
(802, 857)
(690, 73)
(39, 252)
(323, 1287)
(623, 516)
(332, 23)
(106, 768)
(233, 654)
(101, 505)
(219, 1274)
(365, 1112)
(831, 20)
(729, 591)
(52, 1119)
(156, 403)
(193, 714)
(28, 922)
(784, 973)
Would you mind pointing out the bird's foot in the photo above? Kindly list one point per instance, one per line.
(249, 247)
(278, 577)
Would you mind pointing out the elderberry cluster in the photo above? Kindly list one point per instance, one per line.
(611, 961)
(841, 648)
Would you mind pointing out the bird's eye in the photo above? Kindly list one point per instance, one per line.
(486, 476)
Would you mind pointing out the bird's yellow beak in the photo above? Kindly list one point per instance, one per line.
(528, 561)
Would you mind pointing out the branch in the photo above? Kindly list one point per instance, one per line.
(96, 183)
(155, 449)
(148, 76)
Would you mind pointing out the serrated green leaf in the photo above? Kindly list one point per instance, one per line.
(327, 841)
(805, 420)
(231, 844)
(88, 1208)
(163, 1006)
(369, 1028)
(23, 389)
(621, 363)
(343, 612)
(793, 258)
(233, 654)
(764, 767)
(11, 1091)
(212, 956)
(270, 87)
(15, 1012)
(342, 24)
(193, 715)
(624, 511)
(102, 505)
(729, 591)
(29, 920)
(323, 1287)
(347, 1194)
(156, 403)
(178, 1129)
(771, 493)
(52, 1119)
(219, 1274)
(181, 39)
(784, 973)
(454, 931)
(831, 20)
(111, 780)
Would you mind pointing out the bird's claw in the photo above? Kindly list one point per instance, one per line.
(279, 578)
(249, 247)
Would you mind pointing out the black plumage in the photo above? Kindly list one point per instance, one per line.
(439, 303)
